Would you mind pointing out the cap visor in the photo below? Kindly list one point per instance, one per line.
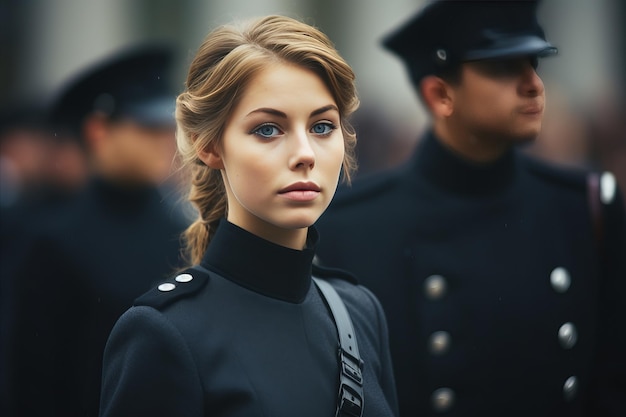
(154, 112)
(513, 47)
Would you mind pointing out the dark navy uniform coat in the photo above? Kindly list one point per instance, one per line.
(79, 275)
(250, 337)
(499, 300)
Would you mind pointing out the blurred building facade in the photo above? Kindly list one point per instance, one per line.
(45, 41)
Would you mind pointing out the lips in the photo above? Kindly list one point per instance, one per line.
(301, 192)
(532, 109)
(301, 186)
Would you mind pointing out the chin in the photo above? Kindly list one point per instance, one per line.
(299, 222)
(525, 136)
(524, 139)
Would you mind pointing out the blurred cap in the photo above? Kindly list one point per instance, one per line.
(134, 84)
(446, 33)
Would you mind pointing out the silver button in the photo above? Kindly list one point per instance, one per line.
(560, 279)
(439, 342)
(442, 399)
(184, 278)
(608, 186)
(166, 287)
(435, 287)
(570, 387)
(442, 55)
(568, 335)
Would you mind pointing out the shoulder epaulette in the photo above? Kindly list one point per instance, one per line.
(320, 271)
(186, 283)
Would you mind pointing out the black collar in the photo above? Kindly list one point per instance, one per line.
(260, 265)
(443, 167)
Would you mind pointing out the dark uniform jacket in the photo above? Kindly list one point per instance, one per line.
(499, 300)
(250, 337)
(83, 270)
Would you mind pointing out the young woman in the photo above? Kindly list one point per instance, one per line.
(246, 331)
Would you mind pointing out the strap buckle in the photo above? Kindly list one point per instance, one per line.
(350, 402)
(351, 366)
(351, 385)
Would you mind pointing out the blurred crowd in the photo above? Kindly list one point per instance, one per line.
(90, 218)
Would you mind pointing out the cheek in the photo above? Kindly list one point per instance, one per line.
(248, 177)
(484, 104)
(154, 151)
(331, 160)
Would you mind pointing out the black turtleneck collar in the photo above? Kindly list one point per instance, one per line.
(260, 265)
(447, 169)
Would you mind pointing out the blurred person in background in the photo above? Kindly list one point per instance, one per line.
(39, 171)
(502, 276)
(25, 150)
(25, 146)
(108, 244)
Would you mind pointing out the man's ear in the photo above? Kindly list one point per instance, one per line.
(438, 95)
(94, 130)
(211, 157)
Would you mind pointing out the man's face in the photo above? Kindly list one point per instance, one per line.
(137, 153)
(500, 100)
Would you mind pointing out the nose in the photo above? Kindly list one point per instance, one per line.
(531, 84)
(303, 155)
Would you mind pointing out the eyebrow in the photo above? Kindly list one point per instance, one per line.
(324, 110)
(284, 115)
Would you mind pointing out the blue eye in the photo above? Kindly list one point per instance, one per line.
(266, 131)
(323, 128)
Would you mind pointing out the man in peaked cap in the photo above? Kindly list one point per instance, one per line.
(101, 250)
(502, 276)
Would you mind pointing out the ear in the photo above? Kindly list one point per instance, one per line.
(438, 95)
(211, 157)
(94, 130)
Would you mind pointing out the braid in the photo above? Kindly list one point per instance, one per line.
(207, 194)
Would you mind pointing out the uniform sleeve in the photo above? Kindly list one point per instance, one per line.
(387, 380)
(148, 369)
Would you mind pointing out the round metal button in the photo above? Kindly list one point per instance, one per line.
(184, 278)
(560, 279)
(435, 287)
(442, 399)
(570, 387)
(568, 336)
(439, 342)
(168, 286)
(442, 55)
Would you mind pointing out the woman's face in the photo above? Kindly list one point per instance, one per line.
(281, 154)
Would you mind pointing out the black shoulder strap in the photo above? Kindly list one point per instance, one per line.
(351, 376)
